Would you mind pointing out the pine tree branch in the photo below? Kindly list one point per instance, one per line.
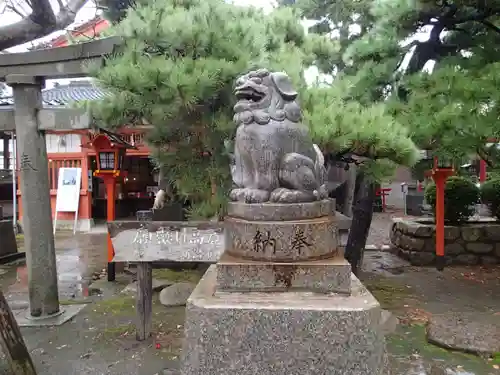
(41, 22)
(491, 26)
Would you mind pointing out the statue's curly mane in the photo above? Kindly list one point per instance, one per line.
(278, 109)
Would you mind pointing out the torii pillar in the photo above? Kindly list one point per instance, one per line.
(35, 196)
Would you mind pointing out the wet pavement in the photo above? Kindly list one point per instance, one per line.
(80, 259)
(101, 340)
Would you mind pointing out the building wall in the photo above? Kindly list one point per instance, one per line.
(60, 143)
(69, 160)
(65, 150)
(395, 197)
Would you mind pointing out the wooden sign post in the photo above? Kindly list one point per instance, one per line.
(147, 242)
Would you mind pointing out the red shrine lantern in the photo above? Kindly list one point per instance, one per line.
(442, 169)
(110, 151)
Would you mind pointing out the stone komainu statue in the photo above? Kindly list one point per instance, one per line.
(274, 157)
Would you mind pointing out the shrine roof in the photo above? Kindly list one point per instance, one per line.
(62, 95)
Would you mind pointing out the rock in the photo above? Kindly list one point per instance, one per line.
(489, 260)
(471, 234)
(94, 291)
(476, 332)
(479, 248)
(411, 243)
(394, 234)
(438, 370)
(492, 232)
(419, 229)
(177, 294)
(405, 254)
(497, 250)
(430, 245)
(421, 258)
(454, 249)
(158, 285)
(467, 259)
(451, 233)
(388, 322)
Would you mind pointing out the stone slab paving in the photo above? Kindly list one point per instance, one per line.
(477, 333)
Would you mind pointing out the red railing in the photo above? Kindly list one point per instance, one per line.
(56, 164)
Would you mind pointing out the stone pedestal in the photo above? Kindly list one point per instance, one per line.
(282, 300)
(9, 244)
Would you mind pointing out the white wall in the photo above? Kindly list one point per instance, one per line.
(63, 142)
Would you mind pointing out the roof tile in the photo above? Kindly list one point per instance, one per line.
(63, 95)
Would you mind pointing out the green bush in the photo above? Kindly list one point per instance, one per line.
(460, 196)
(490, 196)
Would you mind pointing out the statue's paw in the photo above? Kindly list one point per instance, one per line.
(322, 192)
(235, 194)
(284, 195)
(248, 195)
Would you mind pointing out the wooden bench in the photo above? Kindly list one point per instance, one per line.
(144, 243)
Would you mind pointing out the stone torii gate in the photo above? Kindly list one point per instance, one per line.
(26, 74)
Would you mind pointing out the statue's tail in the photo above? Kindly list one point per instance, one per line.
(320, 171)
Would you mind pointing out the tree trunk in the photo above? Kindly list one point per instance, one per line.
(12, 342)
(41, 22)
(361, 221)
(349, 191)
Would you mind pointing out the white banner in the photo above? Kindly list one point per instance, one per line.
(68, 189)
(68, 193)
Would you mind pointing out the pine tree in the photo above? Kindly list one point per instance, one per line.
(362, 70)
(176, 72)
(454, 109)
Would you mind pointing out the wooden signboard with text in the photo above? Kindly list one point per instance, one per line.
(147, 242)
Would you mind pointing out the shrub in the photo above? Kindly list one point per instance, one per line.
(460, 196)
(490, 196)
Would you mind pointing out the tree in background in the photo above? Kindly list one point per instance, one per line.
(177, 70)
(385, 46)
(37, 19)
(362, 71)
(454, 109)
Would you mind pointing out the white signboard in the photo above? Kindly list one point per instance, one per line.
(68, 193)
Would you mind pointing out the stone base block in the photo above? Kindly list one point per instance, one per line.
(285, 333)
(331, 275)
(281, 241)
(67, 312)
(281, 211)
(9, 244)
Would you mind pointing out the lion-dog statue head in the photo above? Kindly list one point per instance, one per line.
(264, 96)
